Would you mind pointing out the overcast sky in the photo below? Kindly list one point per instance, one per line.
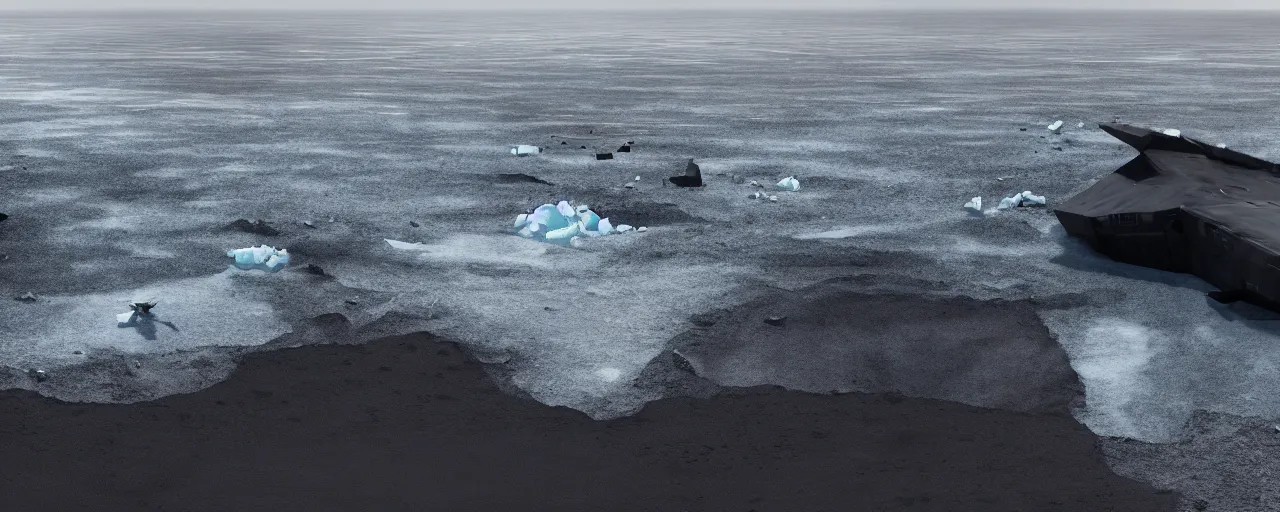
(634, 4)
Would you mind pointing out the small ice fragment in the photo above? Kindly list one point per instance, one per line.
(773, 198)
(1029, 199)
(589, 219)
(1221, 146)
(604, 227)
(1172, 132)
(623, 228)
(521, 221)
(125, 319)
(789, 183)
(408, 246)
(523, 150)
(637, 178)
(641, 229)
(1057, 125)
(974, 205)
(576, 242)
(1079, 125)
(629, 185)
(754, 183)
(1010, 202)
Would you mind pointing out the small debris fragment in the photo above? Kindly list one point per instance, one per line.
(789, 183)
(773, 199)
(974, 205)
(38, 375)
(637, 178)
(754, 183)
(1079, 125)
(308, 223)
(1172, 132)
(27, 297)
(331, 219)
(137, 364)
(738, 180)
(629, 185)
(1022, 129)
(604, 156)
(624, 149)
(142, 308)
(776, 321)
(351, 302)
(641, 229)
(415, 224)
(1057, 125)
(78, 352)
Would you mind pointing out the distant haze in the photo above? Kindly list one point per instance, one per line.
(620, 5)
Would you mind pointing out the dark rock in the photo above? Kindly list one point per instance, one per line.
(562, 143)
(631, 143)
(1056, 148)
(143, 308)
(516, 178)
(78, 352)
(314, 269)
(3, 217)
(776, 321)
(582, 147)
(257, 227)
(1022, 129)
(604, 156)
(624, 149)
(415, 224)
(692, 176)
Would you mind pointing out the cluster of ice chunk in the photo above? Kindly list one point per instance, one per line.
(563, 223)
(1021, 199)
(262, 257)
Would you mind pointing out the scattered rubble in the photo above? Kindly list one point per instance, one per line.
(523, 150)
(257, 227)
(262, 257)
(692, 176)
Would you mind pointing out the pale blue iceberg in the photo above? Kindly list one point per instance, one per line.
(262, 257)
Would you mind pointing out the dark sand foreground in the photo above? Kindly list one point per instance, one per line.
(411, 423)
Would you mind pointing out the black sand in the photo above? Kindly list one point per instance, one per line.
(408, 423)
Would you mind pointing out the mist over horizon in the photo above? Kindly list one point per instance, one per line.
(656, 5)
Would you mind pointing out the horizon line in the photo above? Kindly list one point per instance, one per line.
(633, 9)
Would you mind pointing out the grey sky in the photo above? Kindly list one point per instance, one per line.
(634, 4)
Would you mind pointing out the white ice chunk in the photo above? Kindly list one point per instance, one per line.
(974, 205)
(523, 150)
(563, 235)
(623, 228)
(641, 229)
(1079, 125)
(1172, 132)
(566, 209)
(1029, 199)
(637, 178)
(604, 227)
(408, 246)
(789, 183)
(124, 319)
(262, 257)
(1057, 125)
(521, 221)
(1222, 146)
(773, 198)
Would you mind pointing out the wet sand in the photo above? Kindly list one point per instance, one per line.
(413, 423)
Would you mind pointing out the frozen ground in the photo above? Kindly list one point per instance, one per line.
(128, 143)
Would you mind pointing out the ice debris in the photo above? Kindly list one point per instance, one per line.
(262, 257)
(1021, 199)
(1221, 146)
(562, 223)
(974, 205)
(405, 246)
(789, 183)
(1172, 132)
(1057, 125)
(523, 150)
(1079, 125)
